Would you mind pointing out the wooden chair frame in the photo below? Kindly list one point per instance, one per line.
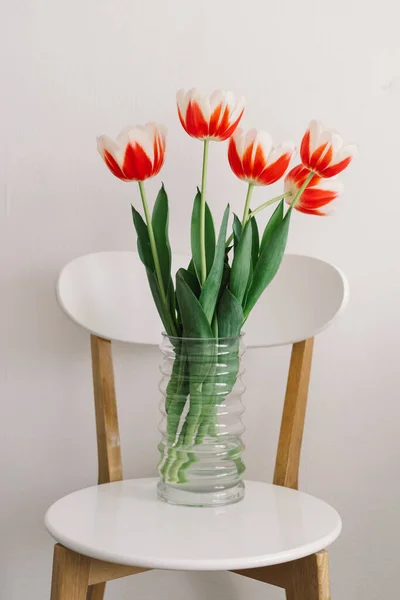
(78, 577)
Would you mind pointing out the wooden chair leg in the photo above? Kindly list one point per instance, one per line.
(71, 571)
(309, 578)
(96, 592)
(294, 412)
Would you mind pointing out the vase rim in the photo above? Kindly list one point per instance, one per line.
(203, 339)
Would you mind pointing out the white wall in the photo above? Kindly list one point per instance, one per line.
(77, 68)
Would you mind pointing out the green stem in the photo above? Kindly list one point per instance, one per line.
(247, 205)
(272, 201)
(203, 213)
(155, 254)
(303, 187)
(229, 240)
(152, 241)
(258, 209)
(269, 202)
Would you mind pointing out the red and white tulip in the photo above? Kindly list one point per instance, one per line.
(318, 193)
(323, 152)
(137, 153)
(209, 116)
(253, 158)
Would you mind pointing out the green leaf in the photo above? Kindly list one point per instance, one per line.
(171, 299)
(225, 278)
(178, 317)
(268, 262)
(179, 369)
(241, 264)
(171, 296)
(201, 354)
(177, 389)
(275, 220)
(191, 280)
(230, 315)
(214, 326)
(159, 221)
(143, 241)
(210, 239)
(237, 230)
(162, 311)
(194, 321)
(255, 241)
(177, 379)
(191, 268)
(166, 313)
(249, 284)
(210, 291)
(195, 236)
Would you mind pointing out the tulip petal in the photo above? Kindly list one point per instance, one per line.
(305, 148)
(157, 133)
(137, 165)
(225, 114)
(232, 128)
(310, 211)
(203, 102)
(206, 116)
(113, 166)
(109, 150)
(106, 143)
(316, 129)
(137, 153)
(196, 125)
(322, 150)
(319, 154)
(318, 193)
(262, 153)
(182, 120)
(275, 171)
(216, 99)
(234, 159)
(248, 152)
(235, 116)
(312, 144)
(336, 168)
(224, 122)
(228, 104)
(336, 142)
(214, 120)
(157, 155)
(143, 136)
(315, 198)
(341, 160)
(182, 101)
(238, 109)
(261, 164)
(284, 148)
(349, 151)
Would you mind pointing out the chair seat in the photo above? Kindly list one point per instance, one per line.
(123, 522)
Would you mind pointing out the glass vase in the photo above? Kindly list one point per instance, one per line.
(201, 447)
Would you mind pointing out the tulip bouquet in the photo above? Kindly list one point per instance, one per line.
(228, 272)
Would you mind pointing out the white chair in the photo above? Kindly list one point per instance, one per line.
(276, 534)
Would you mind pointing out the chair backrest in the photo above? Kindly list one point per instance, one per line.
(105, 291)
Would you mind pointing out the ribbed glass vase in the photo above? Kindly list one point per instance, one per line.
(201, 447)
